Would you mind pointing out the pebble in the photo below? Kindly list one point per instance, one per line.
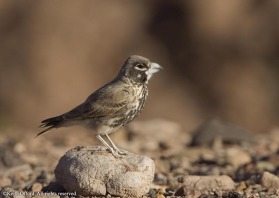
(37, 187)
(160, 179)
(269, 180)
(182, 191)
(5, 181)
(237, 157)
(242, 186)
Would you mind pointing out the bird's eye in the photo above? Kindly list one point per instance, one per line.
(140, 67)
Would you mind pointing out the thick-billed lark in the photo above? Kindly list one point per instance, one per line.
(113, 105)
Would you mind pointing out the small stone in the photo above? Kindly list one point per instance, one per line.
(94, 171)
(160, 191)
(108, 196)
(181, 192)
(160, 179)
(21, 172)
(237, 157)
(265, 165)
(9, 158)
(20, 148)
(241, 186)
(37, 187)
(269, 180)
(168, 193)
(5, 181)
(160, 196)
(152, 192)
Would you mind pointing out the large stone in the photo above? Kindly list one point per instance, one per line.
(95, 171)
(214, 129)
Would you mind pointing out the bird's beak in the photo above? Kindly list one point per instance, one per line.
(154, 67)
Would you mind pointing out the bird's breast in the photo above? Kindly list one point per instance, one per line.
(135, 107)
(130, 111)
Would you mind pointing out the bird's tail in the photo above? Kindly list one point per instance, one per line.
(50, 123)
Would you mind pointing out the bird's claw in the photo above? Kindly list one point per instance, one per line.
(122, 152)
(115, 153)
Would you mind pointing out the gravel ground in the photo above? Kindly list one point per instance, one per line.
(218, 159)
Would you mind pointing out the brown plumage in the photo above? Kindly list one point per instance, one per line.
(113, 105)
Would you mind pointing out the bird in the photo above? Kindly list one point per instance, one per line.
(112, 106)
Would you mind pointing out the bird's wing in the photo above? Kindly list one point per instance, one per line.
(107, 101)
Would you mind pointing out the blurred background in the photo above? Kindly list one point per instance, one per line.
(220, 58)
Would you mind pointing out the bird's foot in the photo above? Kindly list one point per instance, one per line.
(115, 153)
(121, 152)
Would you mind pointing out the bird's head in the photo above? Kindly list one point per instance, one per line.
(139, 69)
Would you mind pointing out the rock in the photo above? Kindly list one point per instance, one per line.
(237, 156)
(20, 148)
(8, 157)
(202, 183)
(241, 186)
(94, 171)
(21, 171)
(181, 192)
(266, 165)
(160, 179)
(269, 180)
(213, 129)
(37, 187)
(5, 181)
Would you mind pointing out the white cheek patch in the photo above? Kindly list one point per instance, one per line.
(149, 75)
(139, 76)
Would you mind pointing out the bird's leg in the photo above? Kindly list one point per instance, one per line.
(114, 153)
(115, 148)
